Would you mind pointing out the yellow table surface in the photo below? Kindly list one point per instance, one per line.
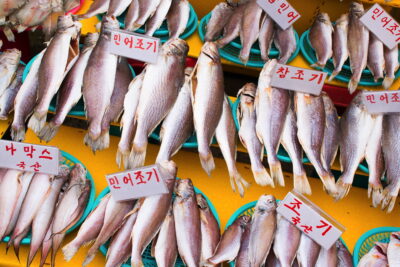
(354, 212)
(4, 124)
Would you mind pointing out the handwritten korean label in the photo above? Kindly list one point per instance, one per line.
(310, 219)
(133, 45)
(379, 22)
(136, 183)
(280, 11)
(382, 101)
(298, 79)
(29, 157)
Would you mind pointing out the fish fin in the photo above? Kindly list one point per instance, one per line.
(387, 82)
(36, 122)
(388, 201)
(276, 173)
(342, 188)
(301, 183)
(352, 85)
(48, 132)
(69, 251)
(263, 178)
(137, 156)
(376, 192)
(90, 256)
(333, 75)
(239, 181)
(207, 162)
(9, 34)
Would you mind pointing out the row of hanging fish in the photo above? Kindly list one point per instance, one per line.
(383, 254)
(248, 20)
(350, 39)
(46, 206)
(268, 239)
(22, 14)
(148, 13)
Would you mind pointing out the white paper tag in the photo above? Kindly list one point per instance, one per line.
(298, 79)
(29, 157)
(136, 183)
(379, 22)
(381, 101)
(310, 219)
(280, 11)
(134, 45)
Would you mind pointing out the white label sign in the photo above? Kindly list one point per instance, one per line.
(133, 45)
(29, 157)
(381, 101)
(378, 21)
(298, 79)
(280, 11)
(310, 219)
(136, 183)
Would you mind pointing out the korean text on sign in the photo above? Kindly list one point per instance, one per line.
(378, 21)
(136, 183)
(382, 101)
(29, 157)
(298, 79)
(310, 219)
(133, 45)
(280, 11)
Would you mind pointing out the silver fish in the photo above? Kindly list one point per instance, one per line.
(271, 108)
(356, 126)
(71, 89)
(358, 40)
(226, 137)
(391, 150)
(89, 229)
(9, 62)
(376, 257)
(178, 125)
(178, 17)
(157, 19)
(376, 60)
(285, 42)
(207, 101)
(311, 122)
(230, 242)
(246, 114)
(345, 258)
(266, 36)
(327, 257)
(151, 215)
(146, 10)
(249, 29)
(339, 45)
(331, 133)
(391, 65)
(98, 84)
(286, 241)
(166, 255)
(161, 92)
(117, 7)
(8, 96)
(32, 14)
(220, 16)
(97, 7)
(128, 122)
(132, 14)
(393, 249)
(308, 251)
(321, 39)
(56, 61)
(242, 259)
(187, 216)
(263, 227)
(232, 27)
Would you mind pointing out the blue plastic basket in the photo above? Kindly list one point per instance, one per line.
(232, 50)
(147, 259)
(368, 239)
(70, 160)
(308, 52)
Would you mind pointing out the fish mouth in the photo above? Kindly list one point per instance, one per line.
(110, 22)
(210, 50)
(65, 21)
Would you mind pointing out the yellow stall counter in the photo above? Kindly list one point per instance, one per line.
(354, 212)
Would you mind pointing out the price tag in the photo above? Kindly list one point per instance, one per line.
(136, 183)
(298, 79)
(310, 219)
(381, 101)
(133, 45)
(280, 11)
(29, 157)
(379, 22)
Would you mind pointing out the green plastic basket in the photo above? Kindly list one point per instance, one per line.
(147, 259)
(368, 239)
(308, 52)
(232, 50)
(70, 160)
(79, 108)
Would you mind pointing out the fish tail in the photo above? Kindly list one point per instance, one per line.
(387, 82)
(89, 257)
(44, 253)
(32, 254)
(36, 122)
(69, 251)
(9, 34)
(21, 28)
(342, 188)
(240, 182)
(276, 173)
(333, 75)
(329, 184)
(137, 156)
(264, 56)
(137, 261)
(16, 245)
(353, 83)
(48, 131)
(104, 140)
(122, 156)
(263, 178)
(244, 56)
(388, 201)
(94, 143)
(318, 65)
(375, 191)
(18, 133)
(207, 162)
(301, 183)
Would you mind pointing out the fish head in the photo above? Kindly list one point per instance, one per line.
(11, 56)
(210, 50)
(268, 68)
(357, 9)
(266, 203)
(380, 249)
(176, 46)
(184, 188)
(188, 71)
(78, 174)
(64, 22)
(201, 202)
(244, 220)
(91, 39)
(109, 22)
(323, 18)
(63, 171)
(395, 237)
(247, 93)
(343, 20)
